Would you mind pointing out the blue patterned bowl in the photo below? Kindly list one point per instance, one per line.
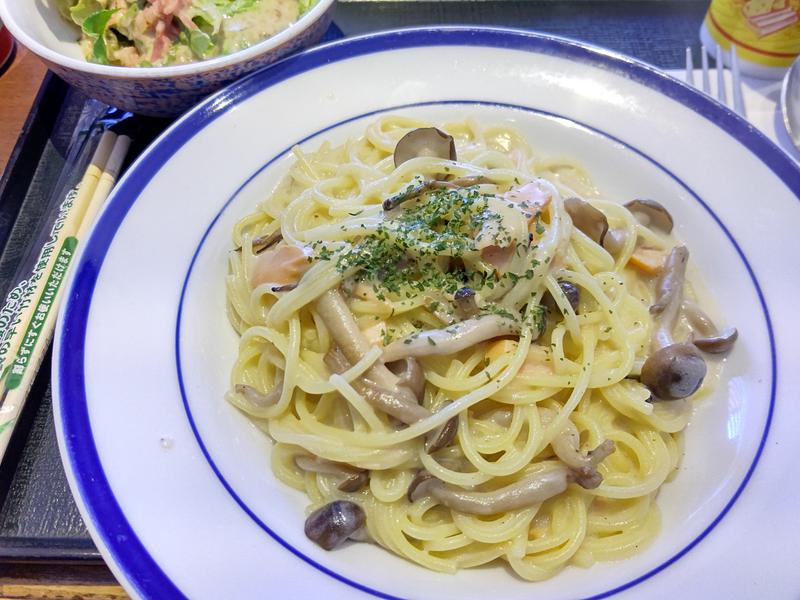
(154, 91)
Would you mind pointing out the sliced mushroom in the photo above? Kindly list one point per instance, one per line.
(284, 288)
(466, 305)
(651, 213)
(256, 398)
(587, 218)
(441, 436)
(717, 344)
(392, 402)
(424, 141)
(674, 372)
(353, 479)
(451, 339)
(332, 524)
(527, 491)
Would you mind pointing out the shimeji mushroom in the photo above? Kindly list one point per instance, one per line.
(332, 524)
(651, 213)
(424, 141)
(587, 219)
(452, 339)
(395, 401)
(531, 489)
(711, 340)
(352, 479)
(466, 305)
(673, 370)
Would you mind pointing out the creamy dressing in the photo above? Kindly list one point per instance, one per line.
(265, 20)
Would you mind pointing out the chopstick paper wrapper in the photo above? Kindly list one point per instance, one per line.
(28, 344)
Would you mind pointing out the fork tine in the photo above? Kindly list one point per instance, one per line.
(706, 78)
(722, 95)
(689, 66)
(738, 97)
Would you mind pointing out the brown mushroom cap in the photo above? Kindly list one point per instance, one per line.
(674, 372)
(466, 306)
(651, 213)
(441, 436)
(332, 524)
(424, 141)
(572, 293)
(587, 218)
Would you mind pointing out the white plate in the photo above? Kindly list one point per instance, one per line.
(175, 484)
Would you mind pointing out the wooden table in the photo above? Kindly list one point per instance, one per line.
(19, 85)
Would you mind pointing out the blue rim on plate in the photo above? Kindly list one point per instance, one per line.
(78, 449)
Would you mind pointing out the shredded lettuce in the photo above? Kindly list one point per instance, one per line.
(84, 9)
(201, 43)
(206, 15)
(95, 27)
(125, 22)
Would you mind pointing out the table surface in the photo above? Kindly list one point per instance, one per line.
(37, 505)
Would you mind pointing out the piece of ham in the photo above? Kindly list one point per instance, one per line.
(157, 17)
(530, 198)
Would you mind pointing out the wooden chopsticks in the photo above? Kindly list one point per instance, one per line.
(29, 342)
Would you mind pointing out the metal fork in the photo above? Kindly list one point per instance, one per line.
(719, 67)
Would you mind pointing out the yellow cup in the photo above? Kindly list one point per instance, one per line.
(766, 33)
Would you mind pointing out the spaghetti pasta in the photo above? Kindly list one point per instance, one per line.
(457, 348)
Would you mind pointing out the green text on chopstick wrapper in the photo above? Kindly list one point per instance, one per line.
(45, 305)
(21, 295)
